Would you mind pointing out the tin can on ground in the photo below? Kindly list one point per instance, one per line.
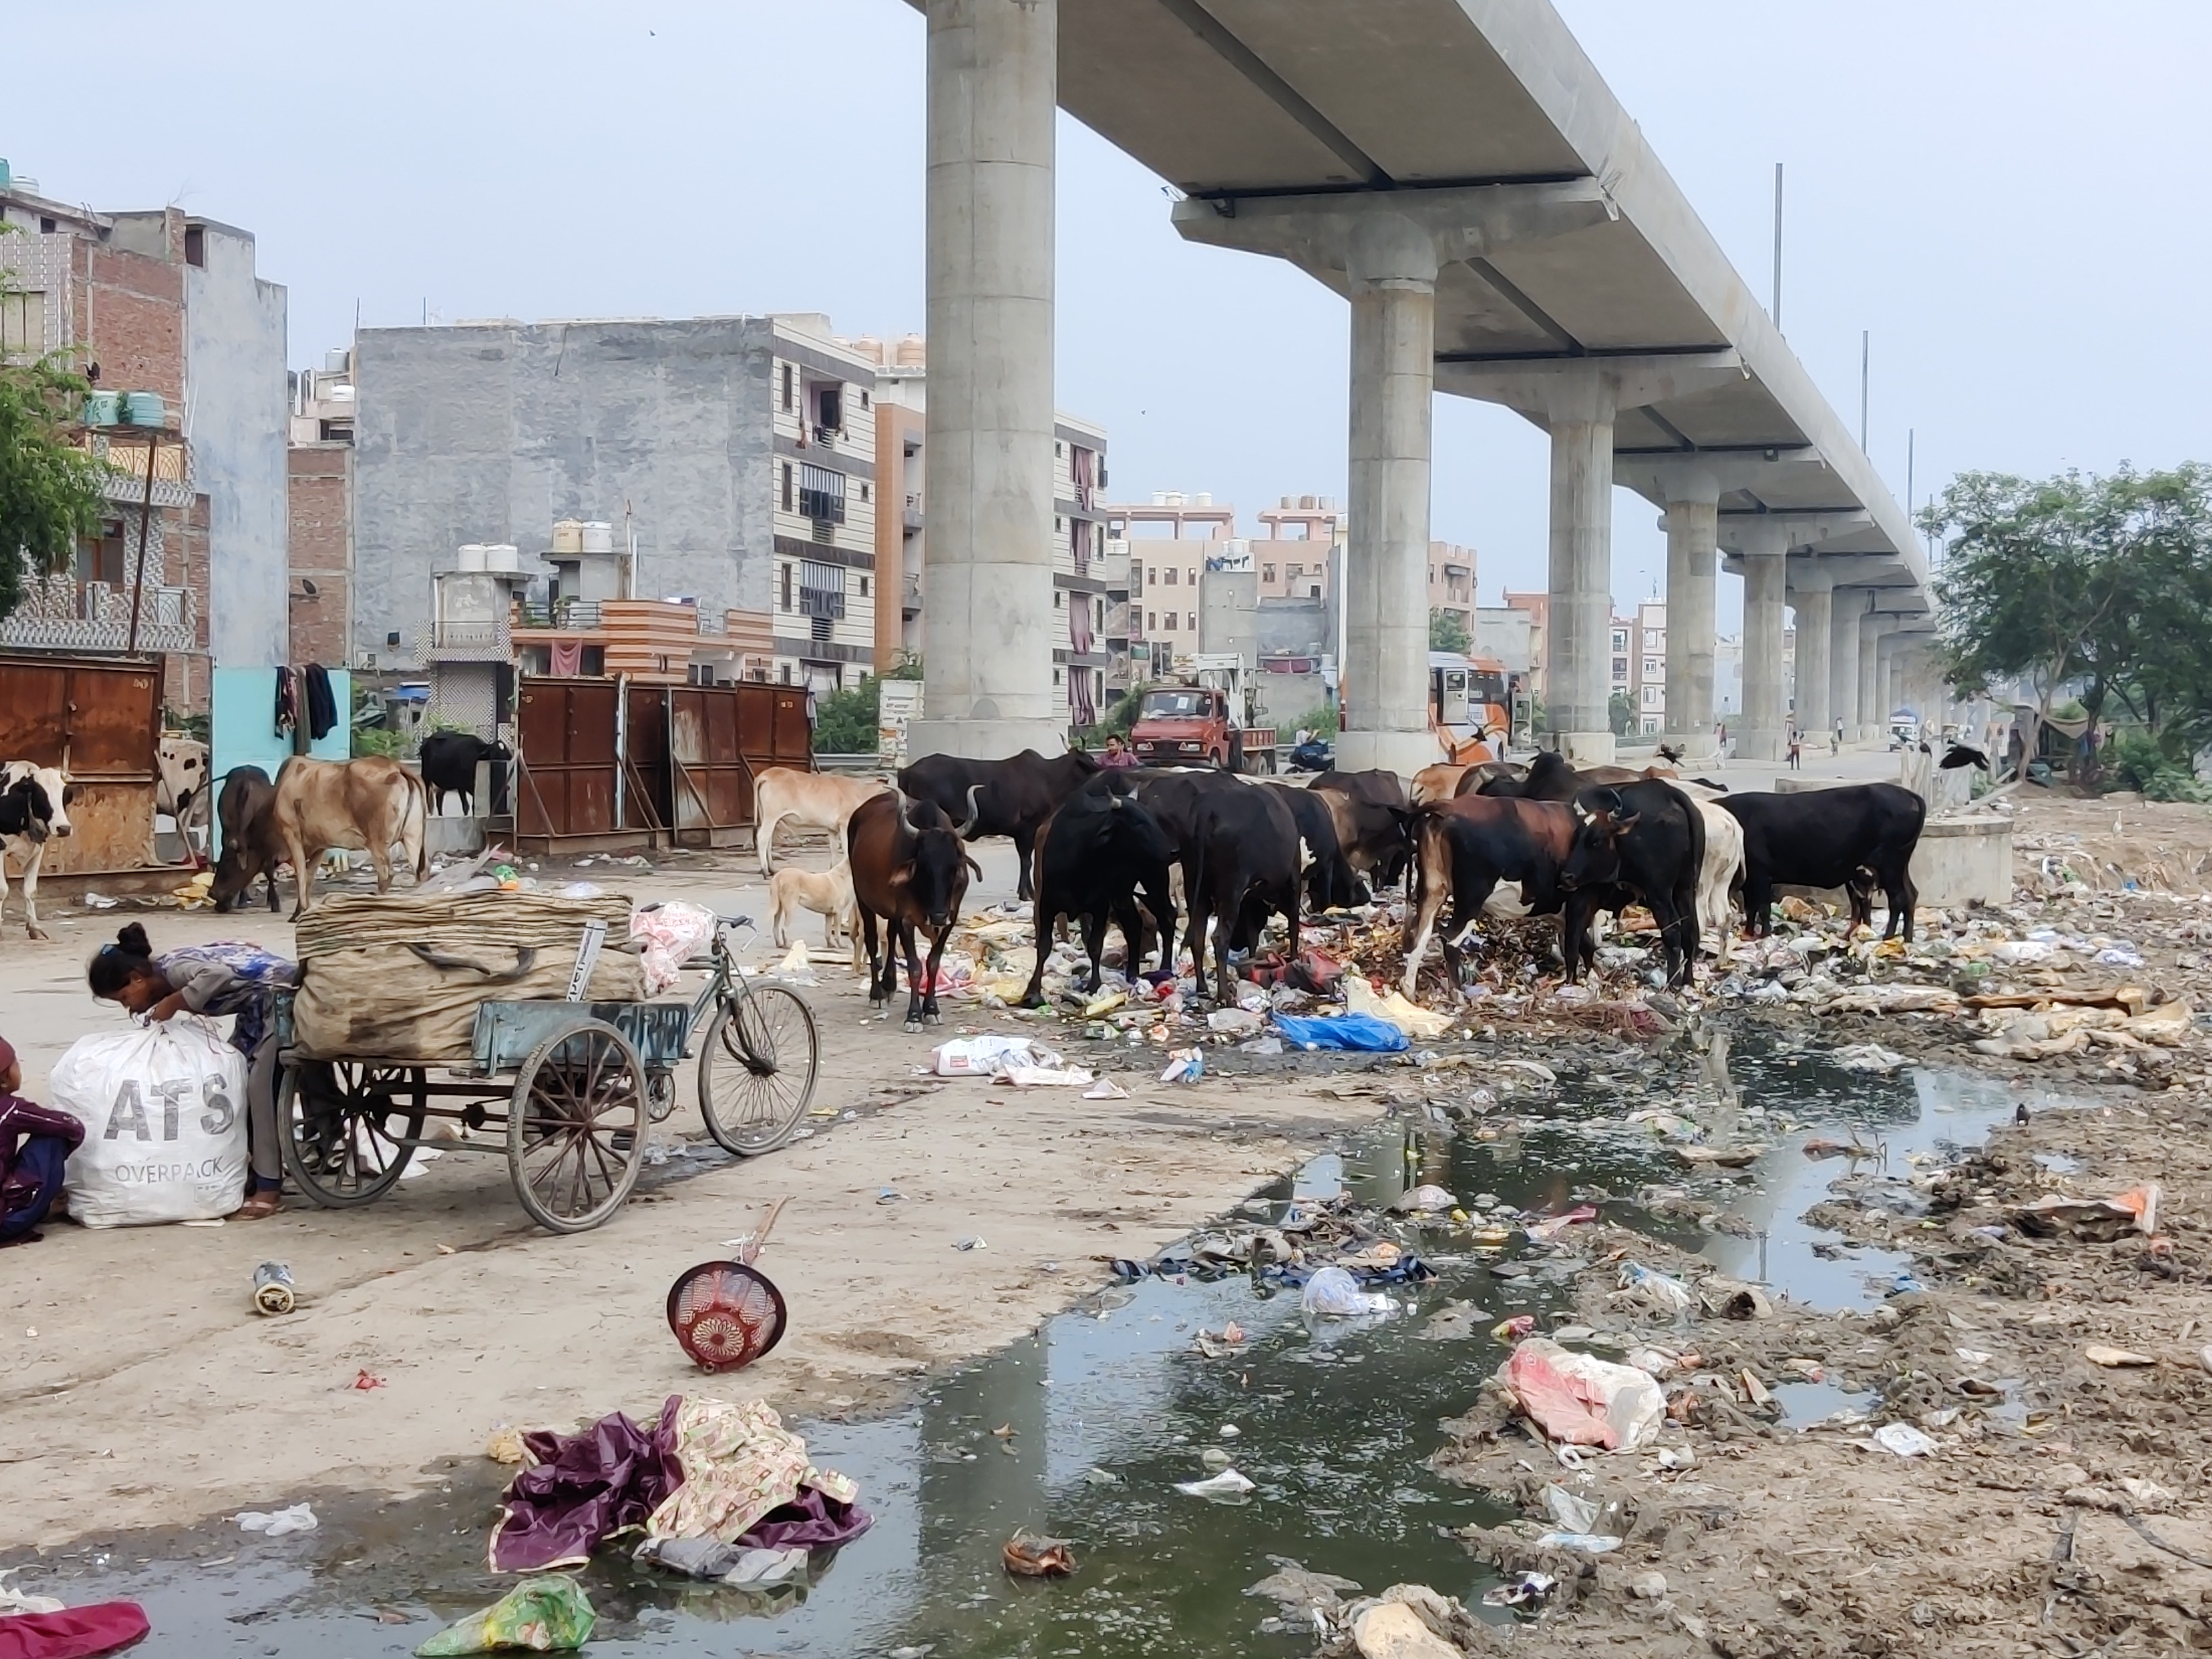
(272, 1288)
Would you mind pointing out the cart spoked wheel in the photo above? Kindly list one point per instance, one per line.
(345, 1125)
(757, 1069)
(575, 1129)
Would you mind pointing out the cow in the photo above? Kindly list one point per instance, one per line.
(241, 808)
(29, 844)
(1437, 782)
(183, 778)
(1011, 797)
(1240, 860)
(449, 763)
(371, 804)
(1826, 838)
(811, 800)
(1094, 856)
(1552, 776)
(1642, 842)
(1463, 849)
(1369, 808)
(910, 869)
(1331, 884)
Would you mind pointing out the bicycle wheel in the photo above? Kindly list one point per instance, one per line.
(757, 1069)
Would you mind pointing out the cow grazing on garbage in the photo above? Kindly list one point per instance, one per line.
(1463, 849)
(1330, 881)
(39, 826)
(1642, 842)
(810, 800)
(1094, 858)
(241, 808)
(1369, 808)
(1011, 797)
(1826, 838)
(1552, 776)
(1242, 859)
(910, 871)
(368, 805)
(449, 763)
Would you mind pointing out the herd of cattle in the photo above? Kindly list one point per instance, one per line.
(1144, 848)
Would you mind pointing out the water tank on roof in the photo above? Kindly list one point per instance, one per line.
(913, 352)
(502, 556)
(103, 408)
(337, 361)
(567, 536)
(599, 538)
(472, 556)
(143, 409)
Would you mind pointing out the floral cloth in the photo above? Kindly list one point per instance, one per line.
(739, 1462)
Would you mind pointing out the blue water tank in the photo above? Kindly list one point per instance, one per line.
(103, 408)
(143, 409)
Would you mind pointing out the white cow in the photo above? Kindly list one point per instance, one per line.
(183, 778)
(812, 800)
(28, 853)
(1722, 871)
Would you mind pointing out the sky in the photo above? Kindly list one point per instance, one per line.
(1995, 191)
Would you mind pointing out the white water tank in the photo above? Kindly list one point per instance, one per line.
(599, 538)
(502, 556)
(472, 556)
(567, 536)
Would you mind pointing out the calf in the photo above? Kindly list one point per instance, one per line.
(41, 823)
(1462, 848)
(1637, 842)
(449, 763)
(910, 869)
(1825, 838)
(242, 810)
(1369, 810)
(811, 800)
(368, 805)
(1094, 856)
(827, 893)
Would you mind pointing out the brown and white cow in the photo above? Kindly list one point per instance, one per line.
(811, 800)
(29, 846)
(367, 804)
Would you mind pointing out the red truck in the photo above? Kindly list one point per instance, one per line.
(1199, 726)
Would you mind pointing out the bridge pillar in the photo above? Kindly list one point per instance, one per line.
(1873, 716)
(1812, 596)
(987, 629)
(1847, 605)
(1762, 549)
(1692, 555)
(1391, 263)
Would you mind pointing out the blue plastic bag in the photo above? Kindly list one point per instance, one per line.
(1362, 1032)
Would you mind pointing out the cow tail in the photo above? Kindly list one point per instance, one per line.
(418, 804)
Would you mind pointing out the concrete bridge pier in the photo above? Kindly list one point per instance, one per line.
(1764, 550)
(1812, 596)
(1874, 714)
(987, 632)
(1847, 605)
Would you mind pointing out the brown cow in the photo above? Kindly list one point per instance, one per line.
(1463, 849)
(909, 869)
(366, 804)
(812, 800)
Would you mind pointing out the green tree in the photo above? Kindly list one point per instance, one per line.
(1448, 633)
(846, 720)
(2105, 581)
(50, 491)
(1620, 714)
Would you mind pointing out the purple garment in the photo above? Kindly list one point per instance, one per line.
(583, 1488)
(813, 1520)
(21, 1121)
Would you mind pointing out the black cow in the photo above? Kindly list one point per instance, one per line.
(1093, 856)
(1331, 882)
(1011, 797)
(1825, 838)
(1240, 861)
(450, 760)
(1636, 842)
(1369, 810)
(1463, 849)
(909, 869)
(244, 809)
(25, 811)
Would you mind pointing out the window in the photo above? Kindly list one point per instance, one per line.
(784, 572)
(1620, 668)
(830, 408)
(822, 594)
(787, 403)
(1268, 573)
(22, 323)
(787, 475)
(1314, 591)
(1171, 577)
(821, 494)
(195, 244)
(864, 588)
(1294, 571)
(1058, 448)
(1059, 525)
(864, 492)
(783, 670)
(1651, 667)
(864, 400)
(45, 226)
(1151, 619)
(1191, 576)
(1057, 599)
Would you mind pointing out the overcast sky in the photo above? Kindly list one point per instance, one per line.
(1999, 190)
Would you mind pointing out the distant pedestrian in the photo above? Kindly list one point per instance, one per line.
(1797, 753)
(1836, 743)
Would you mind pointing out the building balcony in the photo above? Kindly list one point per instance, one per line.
(63, 615)
(470, 642)
(910, 514)
(910, 596)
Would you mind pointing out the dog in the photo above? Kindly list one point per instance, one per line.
(828, 893)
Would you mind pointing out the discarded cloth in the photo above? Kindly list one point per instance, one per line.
(74, 1633)
(1582, 1401)
(1364, 1033)
(712, 1559)
(739, 1463)
(581, 1488)
(551, 1614)
(668, 936)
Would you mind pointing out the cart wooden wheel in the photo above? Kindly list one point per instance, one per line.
(343, 1126)
(575, 1129)
(757, 1069)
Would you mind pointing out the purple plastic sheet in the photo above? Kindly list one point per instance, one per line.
(813, 1520)
(583, 1487)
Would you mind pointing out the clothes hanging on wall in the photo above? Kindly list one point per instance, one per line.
(322, 705)
(287, 703)
(568, 658)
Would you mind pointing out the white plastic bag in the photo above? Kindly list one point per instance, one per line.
(1334, 1293)
(164, 1113)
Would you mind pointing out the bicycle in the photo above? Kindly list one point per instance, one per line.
(753, 1088)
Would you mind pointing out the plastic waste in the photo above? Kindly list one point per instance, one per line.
(1668, 1292)
(1427, 1198)
(987, 1055)
(1361, 1033)
(1903, 1439)
(1235, 1022)
(1589, 1543)
(1226, 1485)
(273, 1290)
(1527, 1590)
(1583, 1401)
(1184, 1065)
(1568, 1511)
(546, 1614)
(1335, 1293)
(1411, 1019)
(1270, 1044)
(301, 1517)
(1868, 1057)
(1513, 1329)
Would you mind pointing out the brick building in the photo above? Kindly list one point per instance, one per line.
(318, 501)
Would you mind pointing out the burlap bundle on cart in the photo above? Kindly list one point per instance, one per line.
(400, 976)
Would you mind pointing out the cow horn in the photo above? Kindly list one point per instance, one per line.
(905, 815)
(974, 812)
(1581, 812)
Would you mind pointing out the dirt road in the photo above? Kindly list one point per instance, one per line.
(136, 1387)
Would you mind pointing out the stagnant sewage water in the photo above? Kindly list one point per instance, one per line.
(1333, 1423)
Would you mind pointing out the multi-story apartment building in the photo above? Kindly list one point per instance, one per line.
(1169, 541)
(1537, 608)
(1451, 583)
(319, 479)
(166, 304)
(1295, 554)
(1085, 568)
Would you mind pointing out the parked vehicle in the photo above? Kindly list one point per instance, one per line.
(1206, 721)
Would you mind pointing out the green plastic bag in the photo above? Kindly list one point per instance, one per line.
(548, 1615)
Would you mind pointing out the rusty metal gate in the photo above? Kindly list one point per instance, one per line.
(713, 784)
(567, 760)
(772, 726)
(99, 721)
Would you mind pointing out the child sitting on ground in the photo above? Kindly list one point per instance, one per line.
(35, 1142)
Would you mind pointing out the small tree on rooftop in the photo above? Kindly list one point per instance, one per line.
(50, 491)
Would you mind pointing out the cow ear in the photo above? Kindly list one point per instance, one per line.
(69, 793)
